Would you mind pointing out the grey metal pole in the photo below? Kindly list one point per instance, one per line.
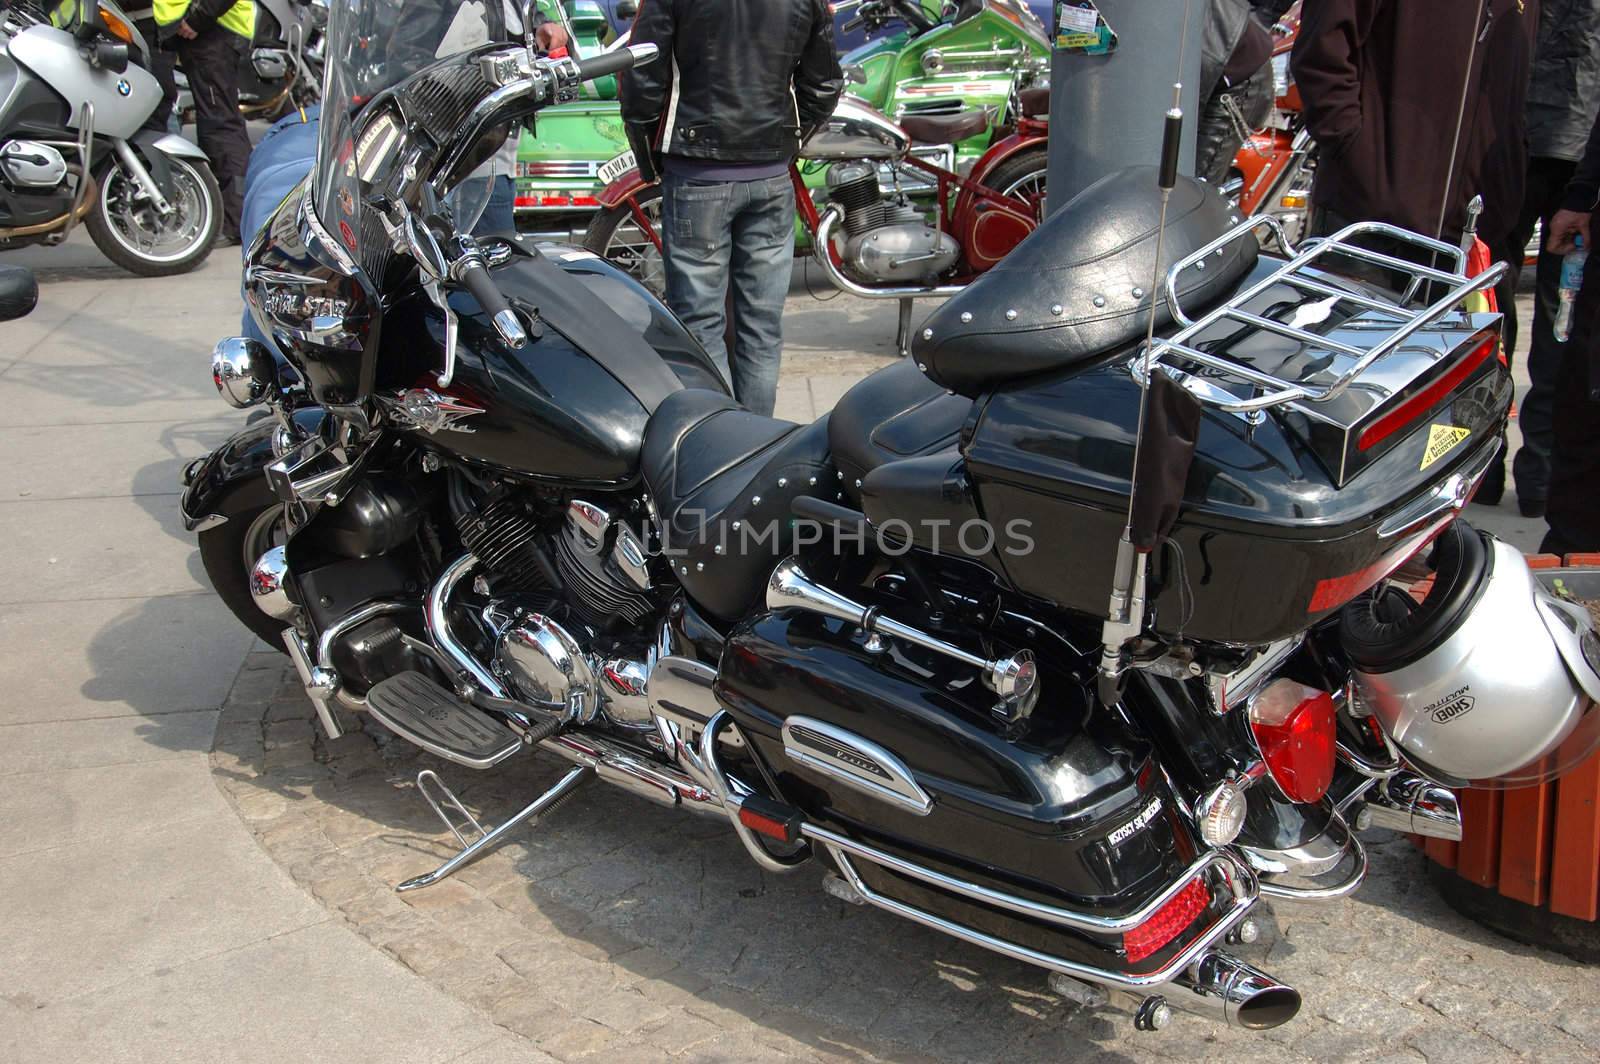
(1106, 110)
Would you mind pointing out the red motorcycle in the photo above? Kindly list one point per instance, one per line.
(1274, 166)
(876, 211)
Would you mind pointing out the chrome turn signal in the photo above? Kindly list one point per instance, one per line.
(1219, 814)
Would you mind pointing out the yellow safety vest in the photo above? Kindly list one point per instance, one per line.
(240, 18)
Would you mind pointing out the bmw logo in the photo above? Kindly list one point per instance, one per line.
(123, 87)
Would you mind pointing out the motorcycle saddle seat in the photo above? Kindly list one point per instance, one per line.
(1034, 102)
(1077, 288)
(945, 129)
(894, 414)
(722, 481)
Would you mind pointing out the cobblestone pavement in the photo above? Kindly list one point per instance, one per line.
(621, 931)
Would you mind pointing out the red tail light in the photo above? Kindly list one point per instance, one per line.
(1167, 922)
(1294, 727)
(1428, 398)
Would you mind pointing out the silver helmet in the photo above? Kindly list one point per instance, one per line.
(1490, 680)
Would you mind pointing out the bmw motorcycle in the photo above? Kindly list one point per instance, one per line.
(508, 504)
(73, 146)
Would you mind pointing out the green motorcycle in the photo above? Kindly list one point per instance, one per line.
(979, 60)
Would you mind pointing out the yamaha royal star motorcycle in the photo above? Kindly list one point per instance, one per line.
(508, 504)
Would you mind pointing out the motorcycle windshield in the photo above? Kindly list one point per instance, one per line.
(373, 45)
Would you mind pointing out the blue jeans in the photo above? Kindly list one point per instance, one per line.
(500, 216)
(740, 232)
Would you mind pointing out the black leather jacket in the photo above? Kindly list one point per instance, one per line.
(738, 81)
(1564, 90)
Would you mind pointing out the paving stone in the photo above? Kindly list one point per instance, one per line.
(579, 1039)
(1371, 1014)
(1451, 1045)
(1582, 1023)
(679, 1032)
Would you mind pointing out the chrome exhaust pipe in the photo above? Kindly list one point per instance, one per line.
(1222, 987)
(1407, 802)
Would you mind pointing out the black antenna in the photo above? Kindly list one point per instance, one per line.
(1126, 611)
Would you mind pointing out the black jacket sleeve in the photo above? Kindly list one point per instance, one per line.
(1583, 191)
(646, 88)
(203, 14)
(818, 80)
(1326, 66)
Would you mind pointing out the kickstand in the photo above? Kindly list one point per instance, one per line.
(902, 340)
(487, 839)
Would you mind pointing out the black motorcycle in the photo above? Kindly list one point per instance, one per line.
(508, 503)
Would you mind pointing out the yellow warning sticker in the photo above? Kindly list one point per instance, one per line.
(1442, 439)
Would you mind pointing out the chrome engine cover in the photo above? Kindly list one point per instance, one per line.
(545, 666)
(901, 252)
(32, 164)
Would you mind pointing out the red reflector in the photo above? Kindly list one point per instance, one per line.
(1167, 923)
(764, 825)
(527, 201)
(585, 201)
(555, 201)
(1294, 728)
(1425, 400)
(1337, 590)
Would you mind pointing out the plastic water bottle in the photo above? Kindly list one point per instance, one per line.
(1571, 281)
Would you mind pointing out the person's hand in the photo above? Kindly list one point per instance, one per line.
(1563, 227)
(186, 32)
(550, 37)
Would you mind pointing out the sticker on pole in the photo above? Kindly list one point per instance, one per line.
(1082, 30)
(1442, 439)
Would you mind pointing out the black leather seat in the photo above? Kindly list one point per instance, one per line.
(722, 480)
(945, 129)
(1077, 287)
(19, 292)
(894, 414)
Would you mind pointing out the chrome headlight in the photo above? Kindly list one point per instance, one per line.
(243, 371)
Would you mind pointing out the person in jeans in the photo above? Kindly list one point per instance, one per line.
(717, 117)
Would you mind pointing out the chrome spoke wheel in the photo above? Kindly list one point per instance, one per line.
(1030, 189)
(632, 249)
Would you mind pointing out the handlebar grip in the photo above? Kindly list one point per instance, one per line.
(472, 275)
(616, 60)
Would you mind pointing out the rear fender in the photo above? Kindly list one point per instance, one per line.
(982, 221)
(618, 192)
(239, 465)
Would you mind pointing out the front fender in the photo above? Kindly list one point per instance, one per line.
(157, 148)
(238, 465)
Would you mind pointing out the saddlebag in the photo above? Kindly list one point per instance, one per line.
(900, 753)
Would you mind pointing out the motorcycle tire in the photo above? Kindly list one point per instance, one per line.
(247, 532)
(113, 219)
(1022, 176)
(639, 259)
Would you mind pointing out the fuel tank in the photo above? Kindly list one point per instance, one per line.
(570, 405)
(1072, 814)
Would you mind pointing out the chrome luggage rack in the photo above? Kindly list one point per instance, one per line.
(1277, 391)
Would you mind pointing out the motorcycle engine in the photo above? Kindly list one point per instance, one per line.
(31, 164)
(887, 239)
